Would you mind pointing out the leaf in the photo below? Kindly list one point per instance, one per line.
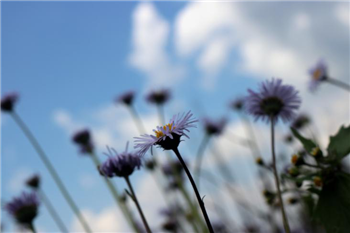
(307, 143)
(333, 207)
(339, 144)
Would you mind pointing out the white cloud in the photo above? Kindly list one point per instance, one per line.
(149, 39)
(342, 13)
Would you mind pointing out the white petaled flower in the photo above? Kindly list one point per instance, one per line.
(167, 136)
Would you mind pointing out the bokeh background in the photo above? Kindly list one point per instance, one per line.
(70, 60)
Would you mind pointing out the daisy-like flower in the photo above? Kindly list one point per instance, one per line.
(33, 181)
(24, 208)
(273, 101)
(301, 121)
(8, 102)
(318, 74)
(83, 139)
(126, 98)
(214, 127)
(158, 97)
(167, 136)
(238, 104)
(122, 165)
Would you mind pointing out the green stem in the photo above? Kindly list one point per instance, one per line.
(116, 196)
(199, 158)
(52, 211)
(32, 228)
(338, 83)
(51, 169)
(134, 198)
(199, 199)
(284, 216)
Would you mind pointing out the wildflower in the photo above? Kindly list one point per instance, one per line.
(318, 181)
(293, 171)
(34, 181)
(318, 74)
(259, 161)
(214, 127)
(83, 139)
(238, 104)
(297, 160)
(168, 136)
(172, 167)
(158, 97)
(316, 152)
(293, 200)
(126, 98)
(150, 164)
(288, 138)
(8, 102)
(301, 121)
(273, 101)
(122, 165)
(24, 208)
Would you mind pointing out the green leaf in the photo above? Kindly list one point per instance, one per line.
(339, 144)
(307, 143)
(333, 207)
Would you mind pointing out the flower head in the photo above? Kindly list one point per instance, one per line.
(126, 98)
(238, 104)
(34, 181)
(122, 165)
(8, 102)
(83, 139)
(273, 101)
(158, 97)
(23, 208)
(301, 121)
(318, 74)
(168, 136)
(214, 127)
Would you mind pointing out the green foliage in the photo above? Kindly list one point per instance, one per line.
(307, 143)
(339, 144)
(333, 207)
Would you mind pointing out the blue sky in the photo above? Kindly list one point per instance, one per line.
(69, 60)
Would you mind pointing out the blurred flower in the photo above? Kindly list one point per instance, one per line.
(83, 139)
(316, 152)
(301, 121)
(288, 138)
(214, 127)
(259, 161)
(293, 200)
(8, 101)
(238, 104)
(318, 181)
(168, 136)
(318, 74)
(122, 165)
(150, 164)
(219, 227)
(293, 171)
(274, 100)
(158, 97)
(297, 160)
(126, 98)
(24, 208)
(34, 181)
(171, 167)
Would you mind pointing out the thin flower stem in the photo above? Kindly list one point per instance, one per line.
(148, 229)
(338, 83)
(51, 169)
(199, 199)
(311, 165)
(116, 196)
(52, 211)
(284, 217)
(199, 158)
(32, 228)
(137, 119)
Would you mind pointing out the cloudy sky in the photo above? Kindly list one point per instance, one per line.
(69, 60)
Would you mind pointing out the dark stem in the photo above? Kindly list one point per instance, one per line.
(338, 83)
(52, 211)
(284, 217)
(51, 169)
(199, 199)
(199, 158)
(148, 229)
(116, 195)
(31, 227)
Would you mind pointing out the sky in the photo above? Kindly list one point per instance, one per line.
(70, 60)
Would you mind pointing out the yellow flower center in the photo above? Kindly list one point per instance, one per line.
(317, 74)
(294, 159)
(160, 133)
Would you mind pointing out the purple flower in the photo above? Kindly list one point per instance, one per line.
(126, 98)
(8, 102)
(172, 167)
(83, 139)
(274, 100)
(122, 165)
(168, 136)
(23, 208)
(214, 127)
(34, 181)
(158, 97)
(238, 104)
(318, 74)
